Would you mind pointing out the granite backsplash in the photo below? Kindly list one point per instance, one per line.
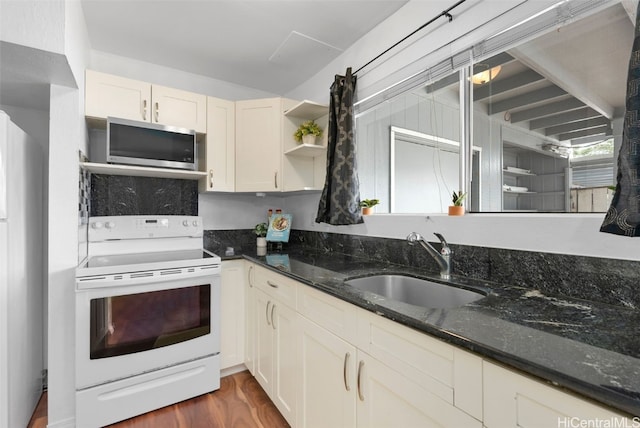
(610, 281)
(126, 195)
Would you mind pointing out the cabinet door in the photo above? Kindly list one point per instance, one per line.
(327, 385)
(258, 145)
(388, 399)
(107, 95)
(219, 155)
(232, 317)
(511, 400)
(182, 109)
(286, 366)
(264, 351)
(250, 326)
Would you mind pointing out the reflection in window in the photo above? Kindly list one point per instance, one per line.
(431, 110)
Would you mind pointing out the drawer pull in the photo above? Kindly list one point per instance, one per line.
(157, 112)
(249, 276)
(267, 312)
(275, 179)
(360, 367)
(344, 371)
(273, 324)
(272, 284)
(211, 178)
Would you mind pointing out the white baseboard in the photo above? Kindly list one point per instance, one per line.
(64, 423)
(232, 370)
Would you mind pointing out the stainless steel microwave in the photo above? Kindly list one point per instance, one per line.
(147, 144)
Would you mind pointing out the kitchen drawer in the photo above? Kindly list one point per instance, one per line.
(275, 285)
(448, 372)
(335, 315)
(511, 399)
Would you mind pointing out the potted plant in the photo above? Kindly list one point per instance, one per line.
(367, 205)
(261, 232)
(457, 208)
(307, 132)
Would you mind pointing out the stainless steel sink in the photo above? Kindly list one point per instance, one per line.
(416, 291)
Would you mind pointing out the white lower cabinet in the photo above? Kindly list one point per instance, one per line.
(232, 319)
(327, 385)
(341, 385)
(276, 341)
(250, 324)
(514, 400)
(388, 399)
(329, 363)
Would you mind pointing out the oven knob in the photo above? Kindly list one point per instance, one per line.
(110, 225)
(195, 223)
(185, 223)
(96, 225)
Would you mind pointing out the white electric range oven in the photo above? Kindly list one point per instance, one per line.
(147, 317)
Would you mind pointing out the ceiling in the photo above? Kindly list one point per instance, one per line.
(263, 44)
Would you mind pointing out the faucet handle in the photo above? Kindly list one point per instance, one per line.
(445, 247)
(413, 237)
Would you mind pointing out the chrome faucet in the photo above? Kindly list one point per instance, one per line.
(443, 257)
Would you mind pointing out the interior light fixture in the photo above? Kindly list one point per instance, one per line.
(486, 75)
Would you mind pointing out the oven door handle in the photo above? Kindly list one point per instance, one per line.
(141, 278)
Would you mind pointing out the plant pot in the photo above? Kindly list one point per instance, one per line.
(456, 210)
(308, 139)
(367, 210)
(261, 241)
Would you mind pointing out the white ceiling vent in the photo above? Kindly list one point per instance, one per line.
(301, 51)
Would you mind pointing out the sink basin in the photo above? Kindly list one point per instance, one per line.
(416, 291)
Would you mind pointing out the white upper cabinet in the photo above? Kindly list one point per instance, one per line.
(267, 157)
(259, 145)
(109, 95)
(219, 155)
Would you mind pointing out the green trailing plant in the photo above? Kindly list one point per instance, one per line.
(458, 198)
(307, 128)
(260, 230)
(369, 203)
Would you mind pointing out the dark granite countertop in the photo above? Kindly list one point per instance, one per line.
(589, 348)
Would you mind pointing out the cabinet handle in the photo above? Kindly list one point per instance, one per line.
(157, 112)
(144, 109)
(267, 312)
(360, 366)
(211, 178)
(275, 179)
(249, 276)
(273, 324)
(272, 284)
(344, 371)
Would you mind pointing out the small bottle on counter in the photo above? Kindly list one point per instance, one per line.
(269, 213)
(278, 211)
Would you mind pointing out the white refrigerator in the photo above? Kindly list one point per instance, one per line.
(21, 274)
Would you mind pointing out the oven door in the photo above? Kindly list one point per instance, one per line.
(124, 329)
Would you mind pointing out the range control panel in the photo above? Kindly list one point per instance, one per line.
(143, 227)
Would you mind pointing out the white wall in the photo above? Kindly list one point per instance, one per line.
(575, 234)
(172, 77)
(36, 24)
(67, 134)
(228, 211)
(556, 233)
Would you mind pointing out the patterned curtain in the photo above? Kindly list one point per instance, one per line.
(623, 217)
(340, 200)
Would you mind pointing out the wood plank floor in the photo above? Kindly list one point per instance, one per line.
(240, 402)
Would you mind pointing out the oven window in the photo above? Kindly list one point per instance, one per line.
(126, 324)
